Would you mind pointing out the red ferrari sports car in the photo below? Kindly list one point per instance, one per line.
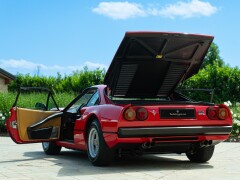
(137, 110)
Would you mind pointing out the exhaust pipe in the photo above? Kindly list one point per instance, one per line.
(210, 142)
(207, 143)
(146, 145)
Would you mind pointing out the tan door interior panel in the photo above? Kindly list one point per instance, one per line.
(28, 117)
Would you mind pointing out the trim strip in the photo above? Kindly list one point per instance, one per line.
(173, 131)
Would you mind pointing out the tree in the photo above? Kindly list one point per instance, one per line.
(214, 74)
(224, 80)
(213, 57)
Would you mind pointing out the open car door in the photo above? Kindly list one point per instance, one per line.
(36, 123)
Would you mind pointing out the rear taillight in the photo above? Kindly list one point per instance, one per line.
(132, 114)
(212, 113)
(142, 114)
(222, 113)
(129, 114)
(217, 113)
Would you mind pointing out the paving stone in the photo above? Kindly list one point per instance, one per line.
(29, 162)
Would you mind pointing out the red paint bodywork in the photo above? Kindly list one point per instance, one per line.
(111, 119)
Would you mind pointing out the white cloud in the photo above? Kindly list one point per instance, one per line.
(25, 66)
(12, 63)
(89, 64)
(125, 10)
(119, 10)
(95, 65)
(194, 8)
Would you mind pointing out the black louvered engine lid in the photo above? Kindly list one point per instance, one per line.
(152, 64)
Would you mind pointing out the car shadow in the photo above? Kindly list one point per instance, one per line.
(76, 163)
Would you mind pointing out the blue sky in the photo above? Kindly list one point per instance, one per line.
(46, 37)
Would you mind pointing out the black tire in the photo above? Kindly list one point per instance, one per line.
(201, 155)
(50, 148)
(98, 152)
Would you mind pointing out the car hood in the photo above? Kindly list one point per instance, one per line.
(152, 64)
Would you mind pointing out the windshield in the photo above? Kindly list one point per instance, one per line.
(82, 101)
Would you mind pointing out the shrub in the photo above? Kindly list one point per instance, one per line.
(6, 100)
(224, 80)
(235, 110)
(76, 82)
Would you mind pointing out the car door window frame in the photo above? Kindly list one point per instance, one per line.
(37, 89)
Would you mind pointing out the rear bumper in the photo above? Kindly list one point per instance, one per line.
(173, 131)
